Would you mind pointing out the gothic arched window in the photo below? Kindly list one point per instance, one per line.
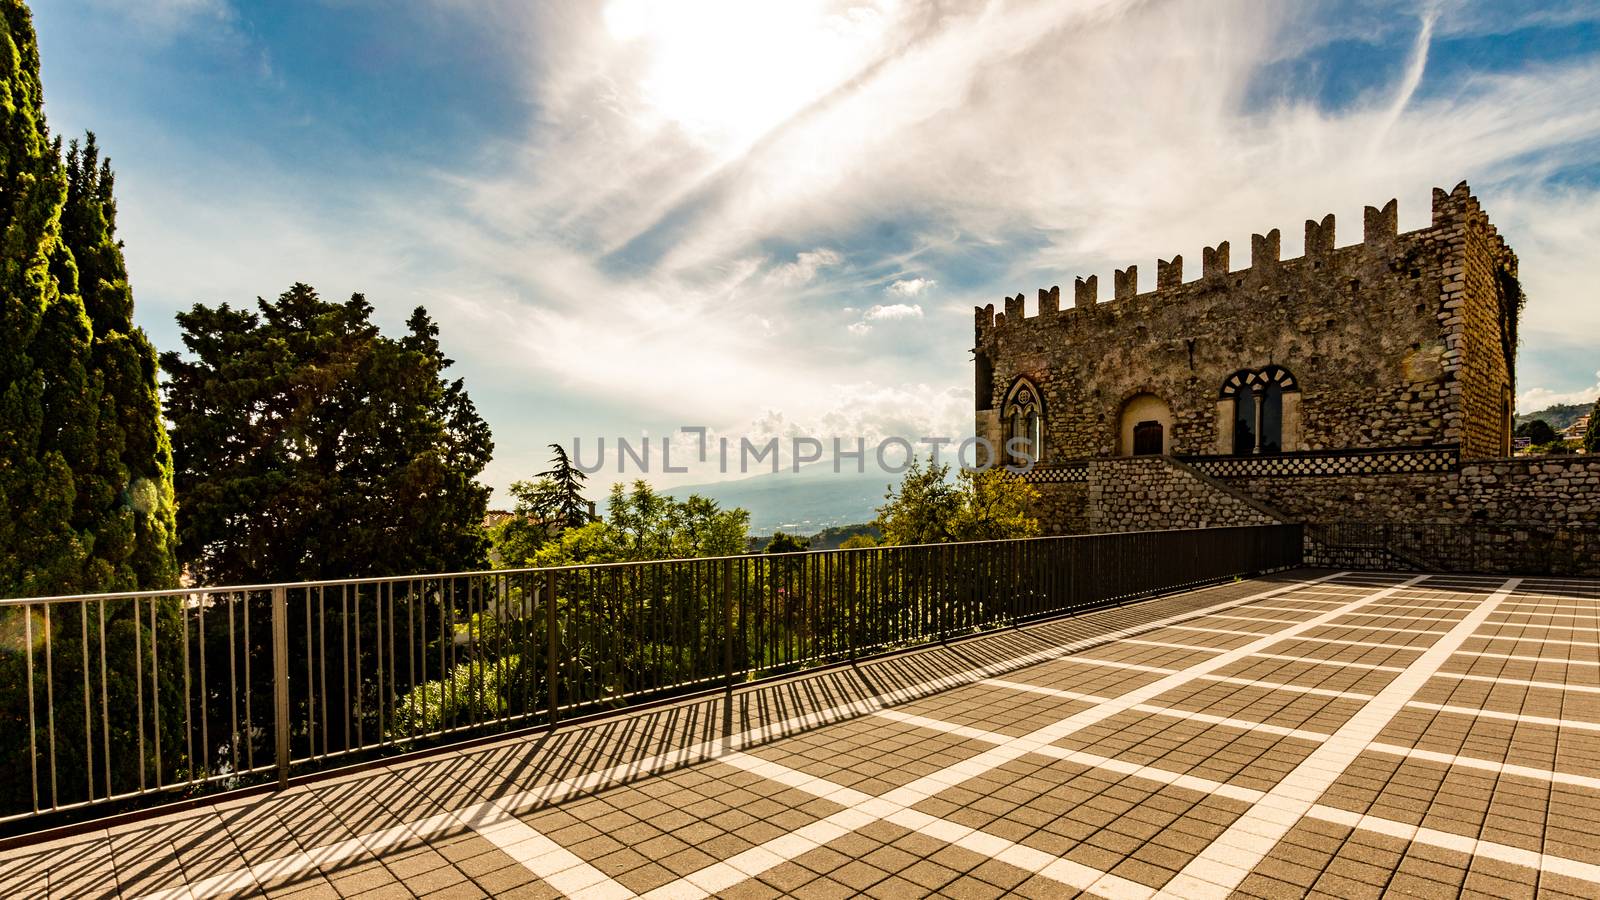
(1257, 408)
(1024, 423)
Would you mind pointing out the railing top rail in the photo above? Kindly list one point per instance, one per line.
(197, 591)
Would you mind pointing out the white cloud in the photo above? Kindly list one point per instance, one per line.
(892, 311)
(910, 287)
(880, 312)
(804, 269)
(1538, 398)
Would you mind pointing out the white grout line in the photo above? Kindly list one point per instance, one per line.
(1486, 765)
(1229, 859)
(1253, 619)
(1411, 616)
(1226, 679)
(1375, 644)
(1520, 682)
(716, 877)
(1254, 634)
(1512, 656)
(1171, 645)
(1331, 662)
(1543, 862)
(1170, 711)
(1557, 641)
(1395, 629)
(1506, 615)
(1577, 724)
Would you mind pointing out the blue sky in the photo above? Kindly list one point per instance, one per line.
(774, 218)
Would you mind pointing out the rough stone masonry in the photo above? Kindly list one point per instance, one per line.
(1373, 382)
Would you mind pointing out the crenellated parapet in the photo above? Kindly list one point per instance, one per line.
(1381, 238)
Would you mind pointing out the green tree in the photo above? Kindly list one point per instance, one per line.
(930, 508)
(782, 542)
(308, 445)
(1591, 438)
(518, 538)
(858, 541)
(561, 500)
(642, 524)
(131, 504)
(1537, 431)
(48, 405)
(85, 489)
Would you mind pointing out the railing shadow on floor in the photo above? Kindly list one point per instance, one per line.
(520, 771)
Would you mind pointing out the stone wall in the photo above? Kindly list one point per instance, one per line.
(1553, 490)
(1144, 493)
(1523, 515)
(1393, 341)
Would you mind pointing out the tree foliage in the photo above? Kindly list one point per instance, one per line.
(85, 479)
(930, 508)
(1591, 438)
(308, 445)
(783, 542)
(560, 500)
(642, 524)
(48, 405)
(1537, 431)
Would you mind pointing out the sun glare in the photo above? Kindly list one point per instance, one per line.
(729, 71)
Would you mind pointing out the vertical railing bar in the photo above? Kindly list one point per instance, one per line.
(552, 687)
(138, 682)
(155, 693)
(322, 659)
(311, 684)
(188, 701)
(280, 681)
(233, 689)
(411, 656)
(105, 703)
(33, 729)
(249, 691)
(50, 699)
(88, 717)
(344, 624)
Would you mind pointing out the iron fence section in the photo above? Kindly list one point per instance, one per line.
(110, 697)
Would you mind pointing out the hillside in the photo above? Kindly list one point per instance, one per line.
(1559, 416)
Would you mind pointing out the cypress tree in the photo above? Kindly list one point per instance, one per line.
(48, 426)
(1591, 438)
(128, 507)
(73, 408)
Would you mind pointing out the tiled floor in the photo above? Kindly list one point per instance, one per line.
(1348, 735)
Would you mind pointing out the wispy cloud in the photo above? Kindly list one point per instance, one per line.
(709, 198)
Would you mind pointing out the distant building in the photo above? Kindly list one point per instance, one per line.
(1577, 430)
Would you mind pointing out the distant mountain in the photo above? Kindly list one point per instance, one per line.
(1559, 416)
(803, 502)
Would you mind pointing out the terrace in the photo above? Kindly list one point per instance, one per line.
(1115, 715)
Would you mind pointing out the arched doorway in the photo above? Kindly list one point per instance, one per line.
(1145, 426)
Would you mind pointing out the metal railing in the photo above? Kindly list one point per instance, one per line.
(112, 696)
